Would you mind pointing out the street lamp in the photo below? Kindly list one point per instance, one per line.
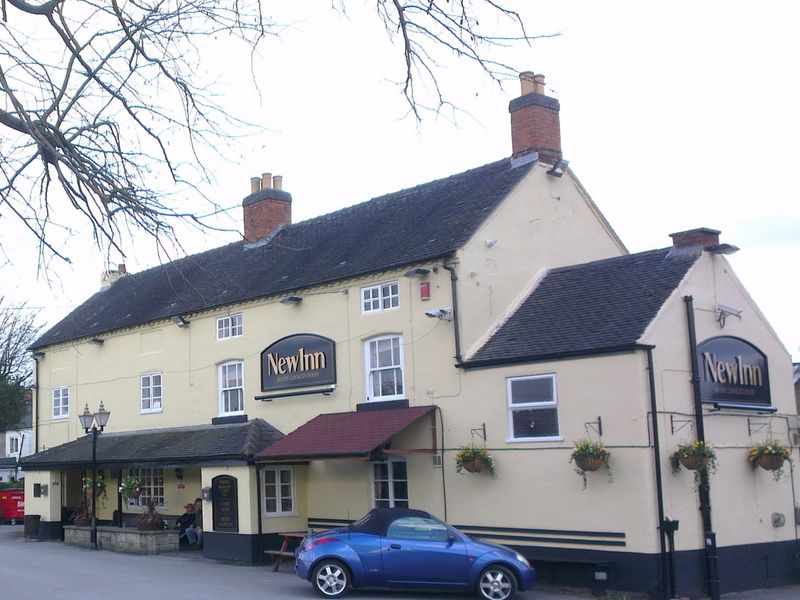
(96, 422)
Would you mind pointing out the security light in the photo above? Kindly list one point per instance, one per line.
(180, 321)
(291, 300)
(559, 168)
(418, 272)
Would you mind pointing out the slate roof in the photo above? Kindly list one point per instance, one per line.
(344, 434)
(422, 223)
(594, 307)
(178, 445)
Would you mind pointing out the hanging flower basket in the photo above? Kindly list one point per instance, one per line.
(770, 455)
(694, 462)
(474, 460)
(589, 463)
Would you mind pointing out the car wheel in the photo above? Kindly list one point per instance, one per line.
(330, 579)
(497, 583)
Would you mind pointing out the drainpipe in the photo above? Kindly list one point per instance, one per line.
(703, 490)
(36, 406)
(667, 575)
(454, 294)
(259, 546)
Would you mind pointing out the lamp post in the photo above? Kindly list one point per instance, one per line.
(94, 422)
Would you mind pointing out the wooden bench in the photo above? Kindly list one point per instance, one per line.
(284, 552)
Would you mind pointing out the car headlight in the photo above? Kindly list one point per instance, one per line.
(522, 559)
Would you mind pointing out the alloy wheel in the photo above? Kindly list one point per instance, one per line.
(497, 583)
(330, 579)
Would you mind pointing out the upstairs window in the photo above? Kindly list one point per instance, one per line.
(13, 445)
(231, 388)
(384, 367)
(151, 392)
(532, 408)
(60, 403)
(380, 297)
(229, 326)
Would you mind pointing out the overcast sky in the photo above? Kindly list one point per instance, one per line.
(673, 118)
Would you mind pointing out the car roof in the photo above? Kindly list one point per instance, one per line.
(378, 520)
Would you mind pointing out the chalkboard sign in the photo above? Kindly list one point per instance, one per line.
(224, 503)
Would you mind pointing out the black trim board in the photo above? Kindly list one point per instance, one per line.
(611, 534)
(502, 362)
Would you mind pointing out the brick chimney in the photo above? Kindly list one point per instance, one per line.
(267, 208)
(535, 123)
(111, 276)
(701, 238)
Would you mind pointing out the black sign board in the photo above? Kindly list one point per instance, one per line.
(296, 361)
(733, 371)
(224, 503)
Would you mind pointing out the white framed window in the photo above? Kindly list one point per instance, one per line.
(229, 326)
(532, 408)
(231, 388)
(279, 491)
(60, 402)
(152, 392)
(384, 367)
(13, 445)
(384, 296)
(390, 483)
(152, 482)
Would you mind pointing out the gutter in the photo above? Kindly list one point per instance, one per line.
(499, 362)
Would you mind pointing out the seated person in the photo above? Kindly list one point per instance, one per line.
(194, 533)
(185, 521)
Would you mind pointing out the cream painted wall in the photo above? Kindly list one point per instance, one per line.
(298, 521)
(545, 222)
(246, 497)
(743, 500)
(48, 507)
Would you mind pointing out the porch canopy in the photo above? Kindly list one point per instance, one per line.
(197, 445)
(361, 434)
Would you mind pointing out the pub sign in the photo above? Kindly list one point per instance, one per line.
(224, 503)
(296, 361)
(733, 370)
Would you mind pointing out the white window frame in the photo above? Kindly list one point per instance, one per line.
(533, 406)
(278, 496)
(63, 406)
(380, 297)
(150, 387)
(222, 389)
(368, 368)
(14, 440)
(153, 486)
(230, 326)
(390, 468)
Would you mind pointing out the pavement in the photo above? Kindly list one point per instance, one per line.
(36, 570)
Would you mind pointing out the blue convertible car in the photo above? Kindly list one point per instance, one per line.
(404, 548)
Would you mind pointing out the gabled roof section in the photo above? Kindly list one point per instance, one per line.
(595, 307)
(339, 435)
(421, 223)
(176, 445)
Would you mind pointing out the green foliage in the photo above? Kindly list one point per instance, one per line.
(771, 448)
(697, 449)
(589, 449)
(130, 487)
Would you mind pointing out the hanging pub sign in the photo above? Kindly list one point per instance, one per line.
(299, 360)
(733, 371)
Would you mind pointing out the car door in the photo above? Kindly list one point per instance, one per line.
(418, 551)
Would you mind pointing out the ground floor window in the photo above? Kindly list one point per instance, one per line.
(390, 484)
(532, 408)
(152, 482)
(278, 491)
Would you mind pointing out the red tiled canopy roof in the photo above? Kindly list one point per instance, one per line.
(344, 434)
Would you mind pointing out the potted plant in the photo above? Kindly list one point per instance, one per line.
(694, 456)
(474, 459)
(588, 456)
(99, 487)
(130, 487)
(82, 516)
(770, 456)
(150, 519)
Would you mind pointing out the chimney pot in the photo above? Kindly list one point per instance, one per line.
(267, 208)
(266, 181)
(277, 182)
(121, 268)
(538, 84)
(526, 79)
(255, 185)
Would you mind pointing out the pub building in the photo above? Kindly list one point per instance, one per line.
(314, 370)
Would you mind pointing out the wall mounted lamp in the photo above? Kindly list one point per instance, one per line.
(417, 272)
(291, 300)
(180, 321)
(37, 355)
(97, 341)
(724, 249)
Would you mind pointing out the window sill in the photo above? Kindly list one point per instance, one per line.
(151, 411)
(278, 515)
(60, 417)
(556, 438)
